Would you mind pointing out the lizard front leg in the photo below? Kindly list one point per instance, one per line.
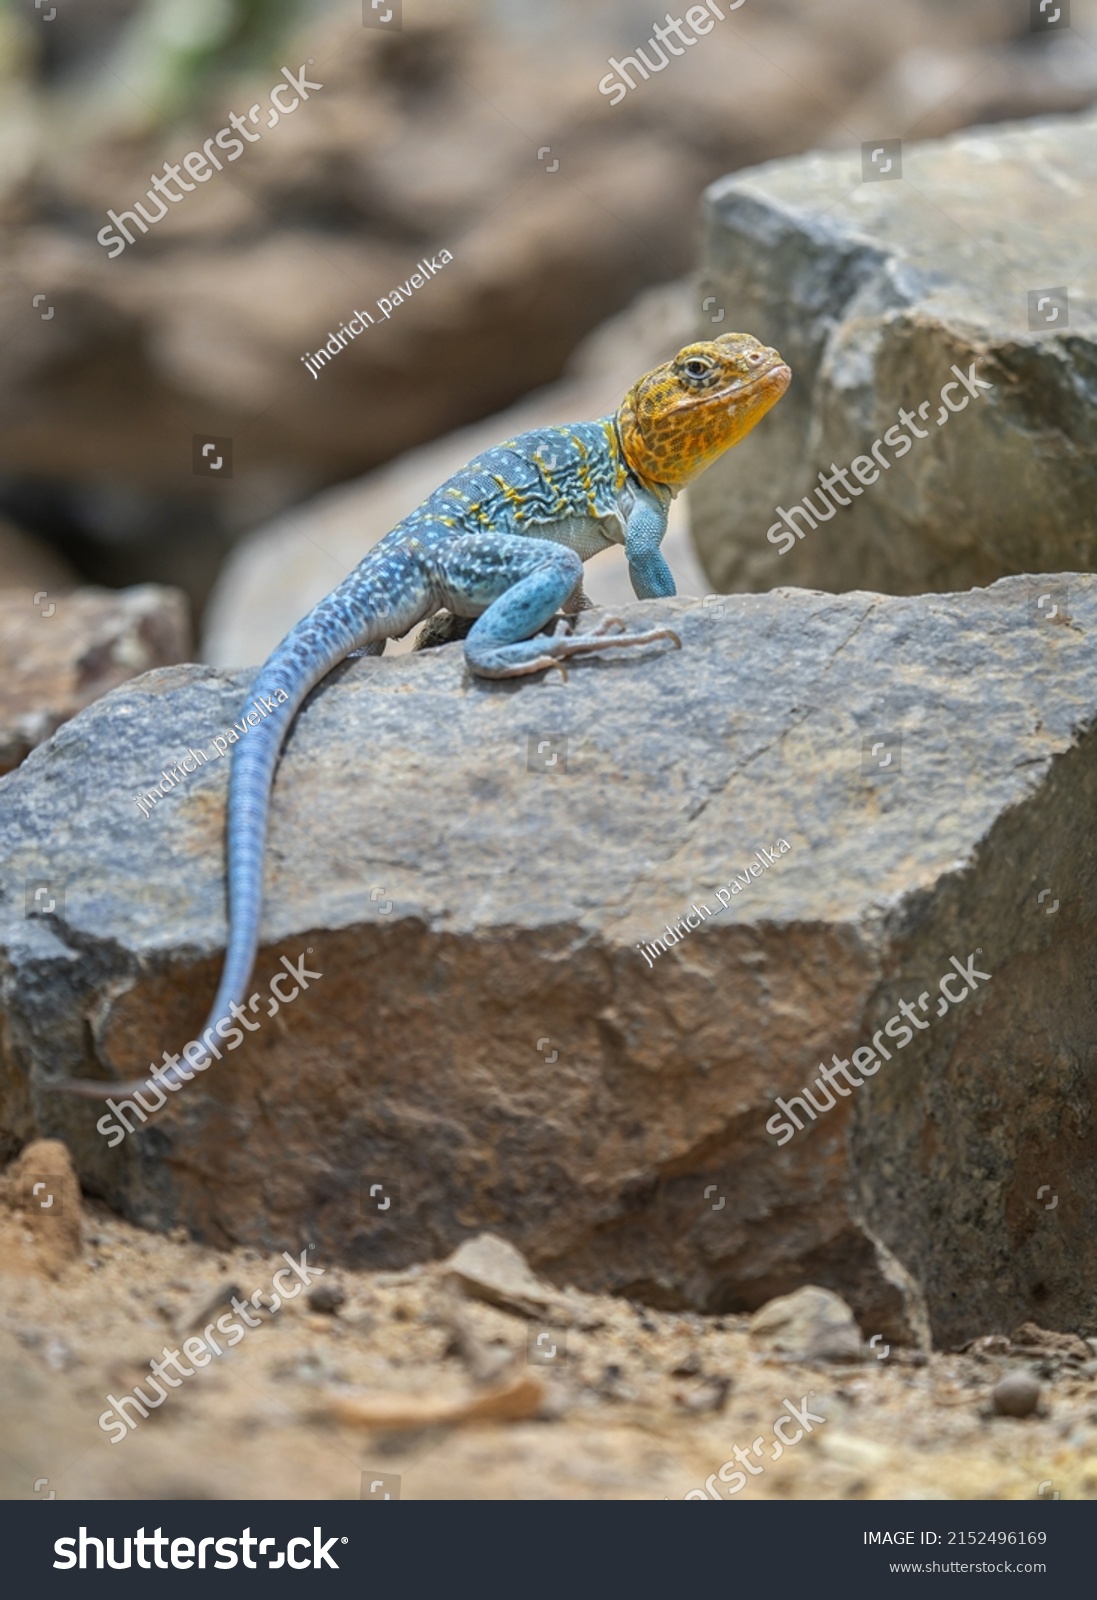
(645, 527)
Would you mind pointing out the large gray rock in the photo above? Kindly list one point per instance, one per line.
(876, 292)
(487, 1047)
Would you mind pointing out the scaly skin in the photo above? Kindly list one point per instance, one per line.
(503, 541)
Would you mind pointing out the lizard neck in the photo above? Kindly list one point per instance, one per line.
(635, 457)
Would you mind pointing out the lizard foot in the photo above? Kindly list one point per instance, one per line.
(610, 632)
(521, 669)
(555, 650)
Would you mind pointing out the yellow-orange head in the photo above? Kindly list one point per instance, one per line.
(679, 418)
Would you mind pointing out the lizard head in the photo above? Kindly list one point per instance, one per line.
(679, 418)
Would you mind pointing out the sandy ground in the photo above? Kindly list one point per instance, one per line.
(320, 1404)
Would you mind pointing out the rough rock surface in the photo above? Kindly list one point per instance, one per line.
(276, 574)
(60, 652)
(874, 292)
(488, 1049)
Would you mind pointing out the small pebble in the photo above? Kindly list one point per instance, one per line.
(57, 1355)
(1016, 1395)
(712, 1396)
(326, 1297)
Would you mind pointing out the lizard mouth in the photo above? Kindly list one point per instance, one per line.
(776, 376)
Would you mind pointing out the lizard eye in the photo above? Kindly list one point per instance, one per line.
(697, 367)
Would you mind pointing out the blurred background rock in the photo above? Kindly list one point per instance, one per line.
(421, 139)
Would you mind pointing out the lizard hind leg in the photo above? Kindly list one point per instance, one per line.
(518, 585)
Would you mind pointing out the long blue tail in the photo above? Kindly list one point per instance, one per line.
(361, 611)
(304, 658)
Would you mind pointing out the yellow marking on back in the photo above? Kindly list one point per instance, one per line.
(514, 498)
(561, 499)
(615, 453)
(585, 483)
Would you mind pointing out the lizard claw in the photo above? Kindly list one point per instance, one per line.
(607, 624)
(545, 663)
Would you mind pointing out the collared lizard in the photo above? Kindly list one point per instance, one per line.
(502, 542)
